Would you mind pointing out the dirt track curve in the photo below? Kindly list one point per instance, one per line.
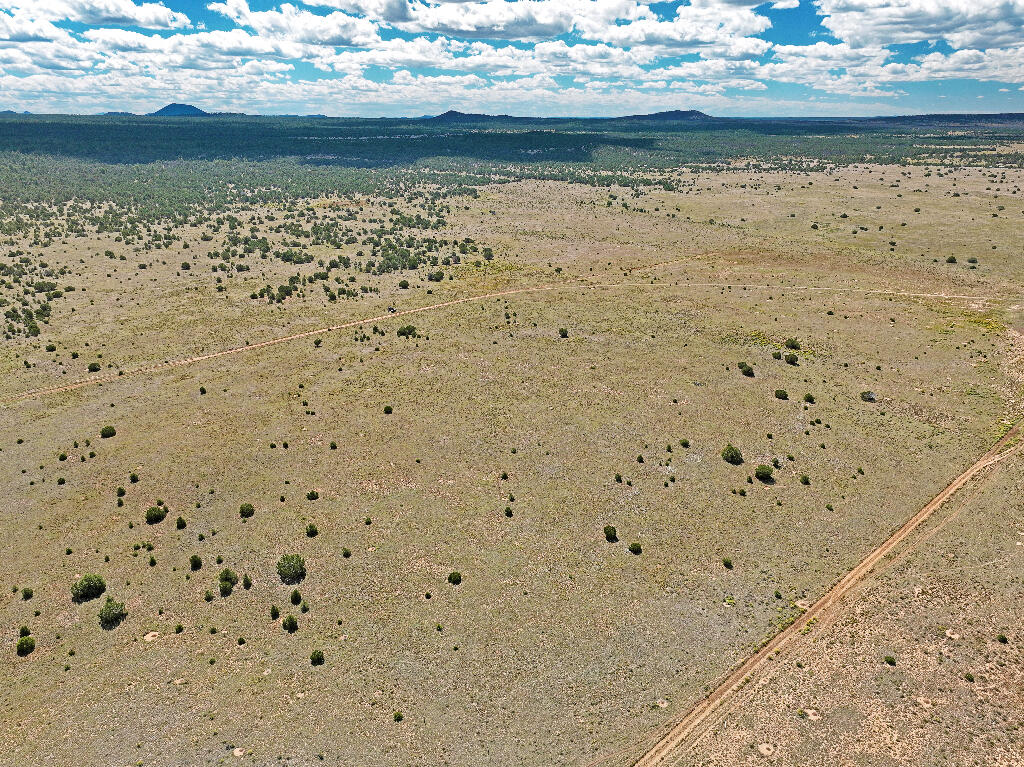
(697, 721)
(157, 367)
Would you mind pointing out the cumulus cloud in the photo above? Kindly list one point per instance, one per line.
(292, 23)
(101, 12)
(962, 23)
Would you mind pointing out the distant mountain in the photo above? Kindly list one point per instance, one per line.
(673, 115)
(452, 116)
(12, 112)
(179, 110)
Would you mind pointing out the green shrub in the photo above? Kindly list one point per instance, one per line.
(195, 562)
(809, 398)
(246, 582)
(455, 578)
(25, 646)
(112, 613)
(312, 531)
(88, 587)
(227, 581)
(745, 369)
(290, 624)
(636, 549)
(94, 367)
(399, 716)
(781, 394)
(246, 510)
(296, 597)
(868, 396)
(791, 359)
(312, 495)
(107, 432)
(27, 593)
(388, 410)
(291, 568)
(764, 473)
(316, 658)
(611, 534)
(792, 343)
(274, 613)
(889, 660)
(776, 355)
(155, 514)
(731, 454)
(563, 333)
(727, 563)
(180, 523)
(804, 479)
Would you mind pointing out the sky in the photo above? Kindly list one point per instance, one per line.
(522, 57)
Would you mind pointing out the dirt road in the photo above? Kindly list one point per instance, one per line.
(185, 361)
(685, 731)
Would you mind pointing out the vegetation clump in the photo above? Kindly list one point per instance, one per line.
(732, 455)
(155, 514)
(611, 534)
(764, 473)
(227, 581)
(88, 587)
(246, 510)
(25, 645)
(291, 568)
(111, 614)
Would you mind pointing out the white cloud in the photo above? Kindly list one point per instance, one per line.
(962, 23)
(101, 12)
(291, 23)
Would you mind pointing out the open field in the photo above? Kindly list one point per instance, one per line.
(877, 309)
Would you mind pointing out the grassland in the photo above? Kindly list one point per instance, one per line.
(506, 449)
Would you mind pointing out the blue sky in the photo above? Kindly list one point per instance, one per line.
(529, 57)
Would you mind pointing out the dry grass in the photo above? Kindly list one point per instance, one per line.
(557, 646)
